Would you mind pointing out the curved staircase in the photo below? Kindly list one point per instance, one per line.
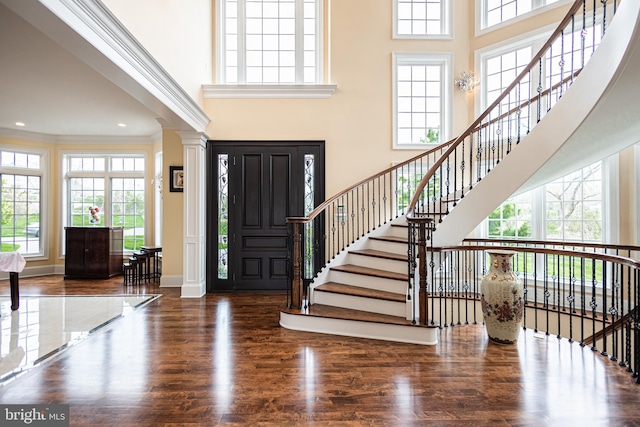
(365, 289)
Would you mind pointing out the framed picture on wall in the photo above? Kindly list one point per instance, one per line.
(177, 179)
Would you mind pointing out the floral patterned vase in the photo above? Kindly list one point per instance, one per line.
(502, 299)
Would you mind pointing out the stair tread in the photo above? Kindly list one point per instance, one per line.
(327, 311)
(380, 254)
(339, 288)
(357, 269)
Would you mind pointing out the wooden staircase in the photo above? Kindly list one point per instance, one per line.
(363, 293)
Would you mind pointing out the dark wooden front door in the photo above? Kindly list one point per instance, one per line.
(257, 186)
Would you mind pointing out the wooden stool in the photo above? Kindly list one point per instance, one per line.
(129, 271)
(143, 266)
(154, 254)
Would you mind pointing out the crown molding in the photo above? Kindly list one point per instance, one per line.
(102, 23)
(78, 139)
(26, 135)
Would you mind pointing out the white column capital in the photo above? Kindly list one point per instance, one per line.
(193, 138)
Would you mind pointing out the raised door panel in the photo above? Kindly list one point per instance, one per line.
(116, 247)
(74, 264)
(261, 239)
(97, 254)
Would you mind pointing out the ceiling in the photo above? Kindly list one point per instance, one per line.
(54, 93)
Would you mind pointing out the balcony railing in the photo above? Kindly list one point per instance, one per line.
(586, 296)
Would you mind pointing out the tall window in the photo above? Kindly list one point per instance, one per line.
(495, 12)
(421, 99)
(106, 190)
(422, 19)
(574, 205)
(501, 70)
(573, 208)
(501, 66)
(21, 176)
(269, 41)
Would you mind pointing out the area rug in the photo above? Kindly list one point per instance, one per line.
(45, 326)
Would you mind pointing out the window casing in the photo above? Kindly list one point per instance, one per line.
(22, 225)
(421, 98)
(422, 19)
(266, 42)
(115, 184)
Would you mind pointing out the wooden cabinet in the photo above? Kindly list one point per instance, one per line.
(93, 252)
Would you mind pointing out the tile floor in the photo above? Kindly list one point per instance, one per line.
(44, 326)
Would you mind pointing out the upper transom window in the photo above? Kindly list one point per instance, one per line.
(269, 42)
(422, 19)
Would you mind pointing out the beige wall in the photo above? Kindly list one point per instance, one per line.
(172, 207)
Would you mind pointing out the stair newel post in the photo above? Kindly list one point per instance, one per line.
(424, 227)
(296, 261)
(411, 257)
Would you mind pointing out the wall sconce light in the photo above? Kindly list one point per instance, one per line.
(467, 81)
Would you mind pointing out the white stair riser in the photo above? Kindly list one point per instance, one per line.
(378, 263)
(354, 328)
(385, 246)
(368, 282)
(397, 232)
(392, 308)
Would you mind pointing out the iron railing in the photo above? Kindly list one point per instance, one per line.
(587, 297)
(516, 111)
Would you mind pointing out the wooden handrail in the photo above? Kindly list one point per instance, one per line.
(556, 243)
(335, 197)
(476, 124)
(322, 206)
(626, 261)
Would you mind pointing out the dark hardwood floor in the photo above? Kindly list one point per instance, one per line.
(224, 360)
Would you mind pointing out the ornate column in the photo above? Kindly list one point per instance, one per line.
(194, 205)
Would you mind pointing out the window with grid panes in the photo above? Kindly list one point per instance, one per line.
(421, 97)
(574, 206)
(570, 208)
(500, 70)
(512, 219)
(495, 12)
(269, 41)
(113, 183)
(21, 228)
(422, 18)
